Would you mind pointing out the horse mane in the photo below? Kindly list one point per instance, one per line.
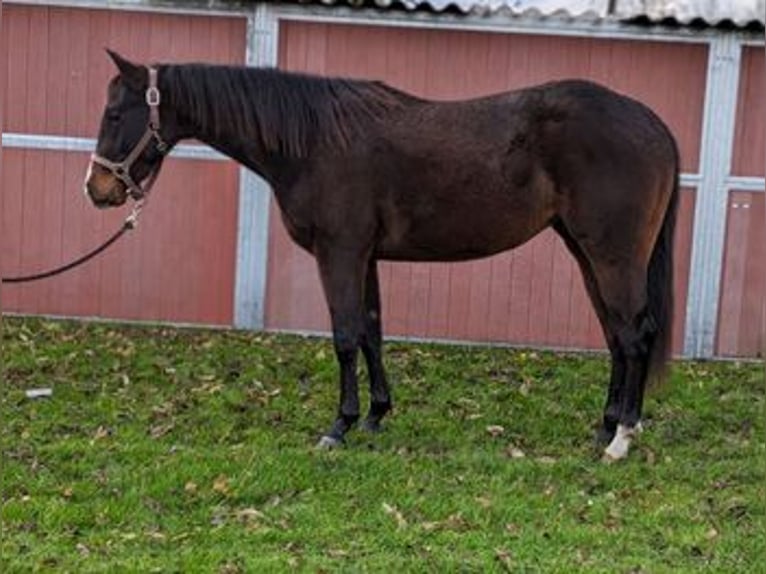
(290, 112)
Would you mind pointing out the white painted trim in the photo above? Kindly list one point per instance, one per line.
(718, 123)
(690, 179)
(88, 145)
(745, 183)
(254, 195)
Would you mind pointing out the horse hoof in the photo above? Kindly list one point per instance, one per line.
(329, 443)
(372, 426)
(620, 445)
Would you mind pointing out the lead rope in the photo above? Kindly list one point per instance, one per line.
(130, 223)
(121, 171)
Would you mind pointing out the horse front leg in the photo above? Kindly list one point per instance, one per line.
(613, 406)
(372, 348)
(342, 274)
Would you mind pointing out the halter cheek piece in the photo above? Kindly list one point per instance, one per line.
(121, 170)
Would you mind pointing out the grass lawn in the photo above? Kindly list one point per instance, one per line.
(165, 450)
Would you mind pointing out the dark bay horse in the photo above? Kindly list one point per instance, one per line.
(363, 172)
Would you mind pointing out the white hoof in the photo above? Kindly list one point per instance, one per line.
(620, 445)
(328, 443)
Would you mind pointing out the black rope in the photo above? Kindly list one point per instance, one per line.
(127, 226)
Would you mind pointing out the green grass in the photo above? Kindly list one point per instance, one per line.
(191, 451)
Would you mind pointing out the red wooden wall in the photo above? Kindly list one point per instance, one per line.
(743, 294)
(179, 265)
(533, 295)
(750, 131)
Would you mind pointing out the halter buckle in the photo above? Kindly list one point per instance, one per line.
(153, 96)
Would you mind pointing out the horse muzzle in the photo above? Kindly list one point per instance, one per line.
(103, 188)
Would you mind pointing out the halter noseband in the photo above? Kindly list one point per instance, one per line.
(121, 170)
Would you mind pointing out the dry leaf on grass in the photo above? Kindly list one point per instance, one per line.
(495, 430)
(396, 514)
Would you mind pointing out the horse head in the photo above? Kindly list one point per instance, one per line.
(131, 141)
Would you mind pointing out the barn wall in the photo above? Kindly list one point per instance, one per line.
(741, 320)
(750, 133)
(200, 256)
(743, 283)
(533, 295)
(179, 265)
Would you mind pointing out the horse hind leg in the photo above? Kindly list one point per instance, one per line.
(608, 427)
(633, 332)
(372, 343)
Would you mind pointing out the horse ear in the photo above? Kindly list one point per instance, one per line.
(134, 74)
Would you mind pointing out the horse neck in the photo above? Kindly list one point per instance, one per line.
(228, 123)
(273, 121)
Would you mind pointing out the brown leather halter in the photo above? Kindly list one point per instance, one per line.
(121, 170)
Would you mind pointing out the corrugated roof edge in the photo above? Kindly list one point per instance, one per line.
(726, 13)
(641, 12)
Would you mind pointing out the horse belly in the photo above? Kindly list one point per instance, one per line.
(459, 234)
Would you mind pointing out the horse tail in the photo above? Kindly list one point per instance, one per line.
(660, 285)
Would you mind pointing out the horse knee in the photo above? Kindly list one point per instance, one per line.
(636, 338)
(346, 345)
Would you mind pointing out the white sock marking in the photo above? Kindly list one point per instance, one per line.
(620, 444)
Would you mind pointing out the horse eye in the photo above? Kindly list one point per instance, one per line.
(113, 116)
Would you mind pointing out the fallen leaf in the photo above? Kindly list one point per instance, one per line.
(101, 432)
(82, 549)
(158, 431)
(495, 430)
(514, 451)
(483, 501)
(190, 487)
(504, 557)
(221, 485)
(456, 522)
(396, 514)
(155, 535)
(250, 514)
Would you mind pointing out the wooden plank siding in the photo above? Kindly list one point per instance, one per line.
(750, 132)
(741, 312)
(743, 291)
(180, 264)
(533, 295)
